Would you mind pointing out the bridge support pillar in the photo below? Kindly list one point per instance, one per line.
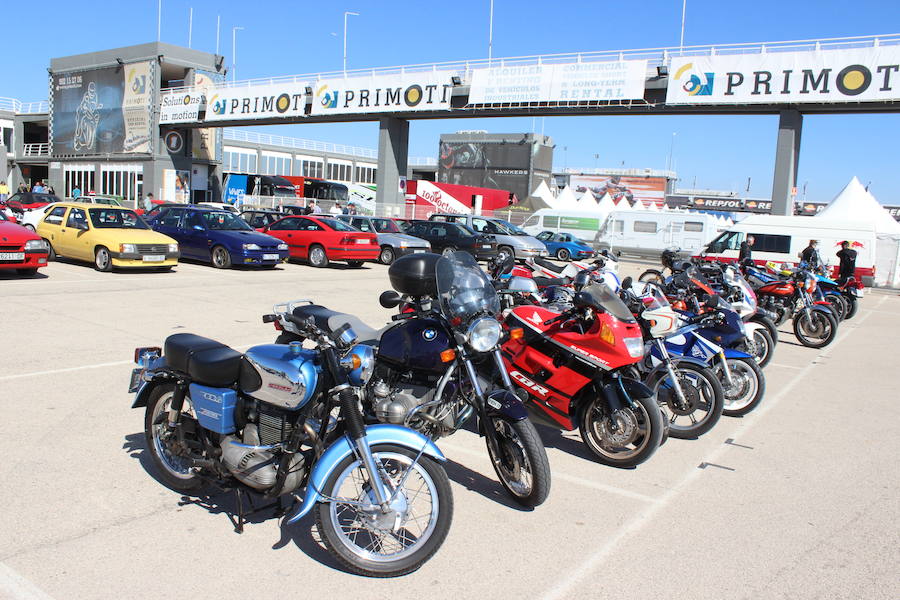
(393, 154)
(787, 157)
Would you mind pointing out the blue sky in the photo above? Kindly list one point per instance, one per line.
(291, 37)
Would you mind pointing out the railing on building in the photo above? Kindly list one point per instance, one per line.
(37, 149)
(23, 108)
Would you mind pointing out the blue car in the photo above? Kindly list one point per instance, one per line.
(219, 237)
(565, 246)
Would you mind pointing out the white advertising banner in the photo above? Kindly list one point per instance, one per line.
(854, 75)
(179, 108)
(136, 107)
(404, 92)
(256, 101)
(440, 199)
(571, 82)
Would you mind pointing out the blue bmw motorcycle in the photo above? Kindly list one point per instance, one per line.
(281, 420)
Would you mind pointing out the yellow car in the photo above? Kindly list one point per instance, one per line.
(110, 236)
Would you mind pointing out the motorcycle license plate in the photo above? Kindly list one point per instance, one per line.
(270, 257)
(135, 380)
(12, 256)
(418, 251)
(858, 293)
(154, 258)
(485, 245)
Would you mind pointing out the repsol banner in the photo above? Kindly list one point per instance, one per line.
(179, 108)
(403, 92)
(256, 102)
(854, 75)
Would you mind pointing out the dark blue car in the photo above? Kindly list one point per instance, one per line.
(219, 237)
(565, 246)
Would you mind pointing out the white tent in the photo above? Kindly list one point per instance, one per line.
(566, 200)
(587, 202)
(623, 205)
(606, 204)
(855, 203)
(638, 206)
(651, 207)
(543, 192)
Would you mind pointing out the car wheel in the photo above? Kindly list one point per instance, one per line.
(220, 258)
(102, 259)
(448, 251)
(563, 254)
(52, 253)
(317, 256)
(387, 255)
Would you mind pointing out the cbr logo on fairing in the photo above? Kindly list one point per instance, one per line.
(529, 383)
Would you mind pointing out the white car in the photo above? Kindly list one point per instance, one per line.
(220, 205)
(30, 218)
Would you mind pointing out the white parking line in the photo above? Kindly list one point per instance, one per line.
(565, 588)
(784, 366)
(13, 585)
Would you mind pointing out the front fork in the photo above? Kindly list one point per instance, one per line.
(490, 432)
(676, 383)
(724, 362)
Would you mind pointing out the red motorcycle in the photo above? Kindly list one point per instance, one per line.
(568, 363)
(814, 322)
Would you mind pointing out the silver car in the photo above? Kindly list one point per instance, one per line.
(510, 239)
(394, 243)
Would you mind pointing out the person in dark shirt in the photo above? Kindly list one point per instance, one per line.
(746, 249)
(847, 257)
(810, 255)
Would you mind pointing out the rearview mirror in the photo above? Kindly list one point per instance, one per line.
(712, 301)
(626, 283)
(197, 228)
(389, 299)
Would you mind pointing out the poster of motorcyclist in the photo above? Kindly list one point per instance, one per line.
(101, 111)
(496, 165)
(619, 187)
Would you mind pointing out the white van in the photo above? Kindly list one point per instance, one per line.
(582, 224)
(782, 239)
(645, 232)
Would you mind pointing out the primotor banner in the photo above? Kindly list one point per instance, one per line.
(203, 141)
(102, 111)
(855, 75)
(404, 92)
(645, 189)
(255, 101)
(574, 82)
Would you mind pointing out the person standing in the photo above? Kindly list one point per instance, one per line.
(148, 202)
(4, 192)
(48, 189)
(23, 188)
(336, 209)
(38, 188)
(76, 192)
(810, 255)
(746, 249)
(847, 256)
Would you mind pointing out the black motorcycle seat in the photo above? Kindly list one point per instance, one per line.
(549, 265)
(206, 361)
(548, 281)
(331, 320)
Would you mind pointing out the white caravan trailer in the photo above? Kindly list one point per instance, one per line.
(782, 239)
(646, 232)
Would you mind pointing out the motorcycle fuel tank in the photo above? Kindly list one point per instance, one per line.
(288, 374)
(777, 288)
(415, 344)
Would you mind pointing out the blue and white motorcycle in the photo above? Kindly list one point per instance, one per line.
(281, 420)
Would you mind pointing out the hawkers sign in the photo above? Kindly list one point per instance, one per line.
(823, 76)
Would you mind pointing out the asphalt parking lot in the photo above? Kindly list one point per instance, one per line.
(800, 499)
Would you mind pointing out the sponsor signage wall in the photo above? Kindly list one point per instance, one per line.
(206, 142)
(852, 75)
(573, 82)
(429, 90)
(180, 108)
(102, 111)
(495, 165)
(645, 189)
(256, 102)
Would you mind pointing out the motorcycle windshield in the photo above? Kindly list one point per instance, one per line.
(733, 277)
(650, 295)
(604, 297)
(464, 290)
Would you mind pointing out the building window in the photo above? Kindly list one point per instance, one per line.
(771, 243)
(122, 181)
(645, 226)
(80, 176)
(365, 174)
(275, 165)
(310, 168)
(238, 160)
(339, 172)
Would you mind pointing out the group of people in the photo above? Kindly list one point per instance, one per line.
(313, 208)
(810, 255)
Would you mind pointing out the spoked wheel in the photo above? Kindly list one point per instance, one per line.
(652, 276)
(448, 251)
(852, 305)
(703, 402)
(563, 254)
(625, 439)
(520, 461)
(815, 328)
(317, 256)
(386, 256)
(167, 453)
(838, 305)
(371, 542)
(747, 388)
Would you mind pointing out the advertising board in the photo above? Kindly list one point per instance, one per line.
(246, 102)
(403, 92)
(645, 189)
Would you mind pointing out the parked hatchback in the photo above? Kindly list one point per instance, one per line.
(447, 238)
(394, 243)
(511, 241)
(218, 237)
(321, 240)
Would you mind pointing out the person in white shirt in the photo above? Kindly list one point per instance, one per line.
(336, 209)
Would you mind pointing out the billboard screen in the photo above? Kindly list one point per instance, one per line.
(102, 111)
(645, 189)
(499, 166)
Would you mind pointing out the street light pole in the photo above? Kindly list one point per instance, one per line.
(234, 31)
(346, 14)
(669, 162)
(491, 34)
(681, 41)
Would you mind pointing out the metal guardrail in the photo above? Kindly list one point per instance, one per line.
(37, 149)
(23, 108)
(654, 56)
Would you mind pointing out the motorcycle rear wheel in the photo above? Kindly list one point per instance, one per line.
(816, 328)
(172, 470)
(523, 467)
(361, 536)
(852, 306)
(652, 276)
(647, 424)
(838, 305)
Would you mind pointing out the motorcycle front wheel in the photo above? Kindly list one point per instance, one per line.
(748, 386)
(760, 346)
(520, 461)
(704, 400)
(815, 328)
(370, 542)
(838, 305)
(652, 276)
(637, 434)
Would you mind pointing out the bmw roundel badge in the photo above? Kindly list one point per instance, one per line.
(429, 334)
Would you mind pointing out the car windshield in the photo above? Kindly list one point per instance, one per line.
(111, 218)
(512, 229)
(604, 297)
(338, 225)
(224, 221)
(464, 290)
(385, 226)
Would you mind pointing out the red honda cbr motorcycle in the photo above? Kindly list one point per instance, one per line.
(568, 365)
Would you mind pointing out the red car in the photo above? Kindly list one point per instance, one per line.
(21, 249)
(321, 239)
(22, 201)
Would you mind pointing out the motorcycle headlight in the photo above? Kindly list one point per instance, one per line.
(282, 246)
(128, 248)
(251, 247)
(483, 334)
(635, 346)
(173, 247)
(32, 245)
(360, 362)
